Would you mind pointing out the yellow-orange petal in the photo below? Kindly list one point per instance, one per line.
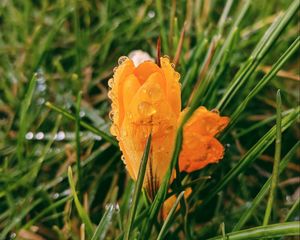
(130, 87)
(173, 91)
(149, 114)
(199, 147)
(168, 204)
(116, 94)
(207, 123)
(205, 151)
(145, 69)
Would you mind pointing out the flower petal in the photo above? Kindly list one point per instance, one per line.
(199, 147)
(172, 85)
(116, 94)
(130, 87)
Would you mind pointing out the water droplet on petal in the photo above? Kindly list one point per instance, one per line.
(122, 60)
(215, 111)
(146, 109)
(111, 82)
(115, 69)
(154, 93)
(172, 65)
(123, 158)
(113, 130)
(111, 115)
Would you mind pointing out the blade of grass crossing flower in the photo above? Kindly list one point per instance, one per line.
(81, 212)
(170, 218)
(138, 188)
(78, 150)
(270, 231)
(252, 154)
(277, 157)
(264, 190)
(101, 229)
(294, 210)
(23, 121)
(162, 191)
(258, 54)
(87, 126)
(272, 73)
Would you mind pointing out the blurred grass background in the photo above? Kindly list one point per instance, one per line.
(52, 50)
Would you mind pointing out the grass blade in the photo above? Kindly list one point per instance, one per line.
(295, 209)
(78, 149)
(138, 188)
(101, 229)
(276, 162)
(270, 231)
(89, 127)
(82, 213)
(23, 121)
(166, 225)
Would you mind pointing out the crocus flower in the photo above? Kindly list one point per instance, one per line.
(147, 99)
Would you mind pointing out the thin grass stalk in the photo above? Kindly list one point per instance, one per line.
(87, 126)
(276, 162)
(23, 123)
(170, 217)
(264, 232)
(78, 146)
(138, 188)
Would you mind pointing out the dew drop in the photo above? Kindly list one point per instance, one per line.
(115, 69)
(113, 130)
(39, 136)
(154, 93)
(172, 65)
(167, 57)
(146, 109)
(215, 111)
(29, 135)
(123, 158)
(13, 235)
(111, 82)
(122, 59)
(111, 115)
(60, 136)
(110, 95)
(177, 75)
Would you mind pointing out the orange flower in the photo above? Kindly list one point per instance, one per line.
(147, 99)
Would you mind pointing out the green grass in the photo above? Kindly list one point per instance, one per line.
(61, 174)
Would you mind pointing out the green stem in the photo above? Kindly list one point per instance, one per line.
(276, 162)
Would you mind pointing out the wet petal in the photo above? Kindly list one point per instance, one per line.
(172, 85)
(116, 93)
